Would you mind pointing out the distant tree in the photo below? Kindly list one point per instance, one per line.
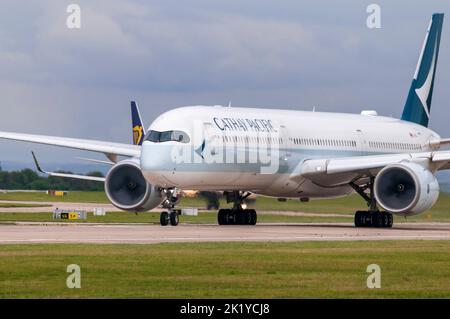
(29, 179)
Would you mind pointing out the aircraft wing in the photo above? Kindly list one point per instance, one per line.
(319, 169)
(108, 148)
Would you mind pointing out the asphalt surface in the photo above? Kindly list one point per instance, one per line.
(151, 234)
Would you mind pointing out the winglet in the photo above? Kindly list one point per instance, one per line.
(138, 128)
(38, 167)
(75, 176)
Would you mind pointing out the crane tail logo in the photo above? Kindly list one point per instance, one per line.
(137, 134)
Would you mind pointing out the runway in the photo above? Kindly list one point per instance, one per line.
(152, 234)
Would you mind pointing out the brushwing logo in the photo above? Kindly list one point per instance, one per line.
(137, 134)
(424, 91)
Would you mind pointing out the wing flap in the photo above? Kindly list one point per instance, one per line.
(441, 156)
(370, 164)
(349, 164)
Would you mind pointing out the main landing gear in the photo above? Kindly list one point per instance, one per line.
(372, 217)
(237, 215)
(172, 216)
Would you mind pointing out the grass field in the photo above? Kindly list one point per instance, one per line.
(409, 269)
(86, 197)
(13, 205)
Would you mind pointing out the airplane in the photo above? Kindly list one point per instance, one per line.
(391, 163)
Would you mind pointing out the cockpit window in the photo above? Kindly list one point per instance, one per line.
(159, 137)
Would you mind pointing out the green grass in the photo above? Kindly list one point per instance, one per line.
(13, 205)
(86, 197)
(409, 269)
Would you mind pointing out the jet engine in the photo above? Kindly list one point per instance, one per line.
(127, 189)
(406, 188)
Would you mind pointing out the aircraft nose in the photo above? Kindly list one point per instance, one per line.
(153, 157)
(156, 161)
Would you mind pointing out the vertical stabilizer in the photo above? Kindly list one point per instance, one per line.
(138, 128)
(418, 104)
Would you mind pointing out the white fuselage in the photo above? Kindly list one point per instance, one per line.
(259, 150)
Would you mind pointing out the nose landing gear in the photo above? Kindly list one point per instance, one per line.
(172, 216)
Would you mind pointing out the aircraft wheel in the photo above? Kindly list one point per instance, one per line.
(229, 217)
(388, 219)
(241, 217)
(233, 217)
(377, 220)
(363, 219)
(221, 217)
(253, 217)
(164, 219)
(174, 219)
(359, 219)
(247, 217)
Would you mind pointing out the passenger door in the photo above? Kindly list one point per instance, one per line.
(361, 142)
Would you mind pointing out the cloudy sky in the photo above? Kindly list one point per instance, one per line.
(290, 54)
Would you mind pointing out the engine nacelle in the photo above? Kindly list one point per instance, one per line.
(406, 188)
(127, 189)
